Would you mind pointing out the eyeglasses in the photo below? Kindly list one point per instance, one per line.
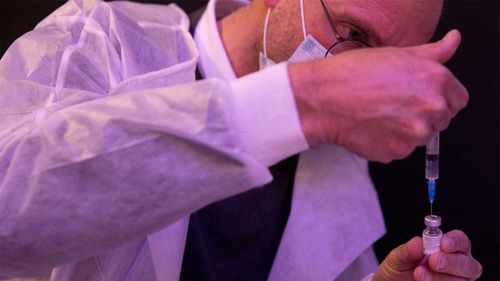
(342, 44)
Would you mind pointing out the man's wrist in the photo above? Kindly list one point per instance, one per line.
(308, 83)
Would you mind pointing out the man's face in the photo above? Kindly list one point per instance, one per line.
(377, 22)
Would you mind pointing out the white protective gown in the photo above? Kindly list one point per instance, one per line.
(107, 144)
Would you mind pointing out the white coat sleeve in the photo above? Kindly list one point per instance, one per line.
(105, 136)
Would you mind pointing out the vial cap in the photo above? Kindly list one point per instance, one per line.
(432, 220)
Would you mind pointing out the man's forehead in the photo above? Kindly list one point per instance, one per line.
(390, 22)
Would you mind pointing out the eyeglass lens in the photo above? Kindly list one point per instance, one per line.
(346, 45)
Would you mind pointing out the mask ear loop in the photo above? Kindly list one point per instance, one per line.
(266, 22)
(302, 18)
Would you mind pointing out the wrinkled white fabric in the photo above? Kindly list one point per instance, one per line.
(104, 136)
(107, 144)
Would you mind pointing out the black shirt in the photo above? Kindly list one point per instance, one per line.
(237, 238)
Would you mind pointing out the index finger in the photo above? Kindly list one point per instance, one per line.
(456, 241)
(456, 95)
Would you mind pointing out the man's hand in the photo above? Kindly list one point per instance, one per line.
(380, 103)
(453, 263)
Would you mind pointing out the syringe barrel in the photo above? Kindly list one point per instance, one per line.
(432, 146)
(432, 158)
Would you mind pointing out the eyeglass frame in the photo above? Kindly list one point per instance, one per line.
(339, 38)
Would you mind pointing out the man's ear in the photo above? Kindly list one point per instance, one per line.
(271, 3)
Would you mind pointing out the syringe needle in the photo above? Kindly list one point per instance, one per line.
(431, 191)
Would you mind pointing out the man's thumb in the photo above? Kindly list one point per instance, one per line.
(441, 50)
(406, 256)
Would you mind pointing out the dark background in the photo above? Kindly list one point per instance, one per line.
(467, 195)
(468, 188)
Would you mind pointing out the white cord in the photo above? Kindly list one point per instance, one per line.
(266, 22)
(303, 18)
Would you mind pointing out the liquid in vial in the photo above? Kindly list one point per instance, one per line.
(432, 235)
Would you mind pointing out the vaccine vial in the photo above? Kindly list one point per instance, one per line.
(432, 235)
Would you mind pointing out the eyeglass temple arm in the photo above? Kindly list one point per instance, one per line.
(330, 20)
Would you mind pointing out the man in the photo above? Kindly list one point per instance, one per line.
(108, 145)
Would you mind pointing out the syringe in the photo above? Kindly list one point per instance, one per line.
(432, 166)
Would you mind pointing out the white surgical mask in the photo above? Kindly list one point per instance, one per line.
(309, 49)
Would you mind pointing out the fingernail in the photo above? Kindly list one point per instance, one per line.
(451, 244)
(426, 276)
(441, 263)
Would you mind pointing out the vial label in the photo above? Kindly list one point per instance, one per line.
(431, 244)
